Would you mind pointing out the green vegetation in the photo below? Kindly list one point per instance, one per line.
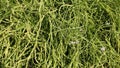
(59, 33)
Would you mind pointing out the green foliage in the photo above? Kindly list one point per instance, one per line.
(59, 34)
